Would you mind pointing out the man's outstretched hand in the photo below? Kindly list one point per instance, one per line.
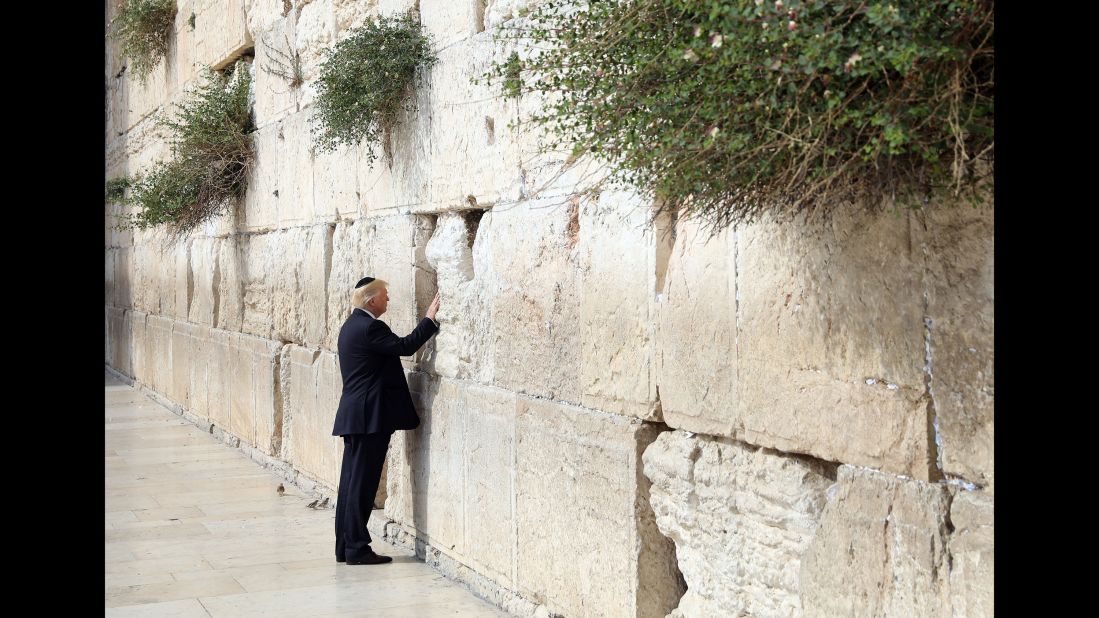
(433, 307)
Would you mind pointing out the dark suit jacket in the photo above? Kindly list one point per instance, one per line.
(375, 393)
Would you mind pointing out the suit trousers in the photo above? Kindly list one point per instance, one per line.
(360, 473)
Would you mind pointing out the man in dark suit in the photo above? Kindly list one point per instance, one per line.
(375, 402)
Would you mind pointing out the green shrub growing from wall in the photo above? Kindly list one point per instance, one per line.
(143, 28)
(212, 154)
(725, 109)
(365, 79)
(115, 190)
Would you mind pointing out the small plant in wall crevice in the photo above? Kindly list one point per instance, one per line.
(366, 80)
(212, 154)
(143, 28)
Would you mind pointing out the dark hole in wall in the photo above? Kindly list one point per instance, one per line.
(473, 221)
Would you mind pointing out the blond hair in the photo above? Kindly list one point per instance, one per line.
(360, 296)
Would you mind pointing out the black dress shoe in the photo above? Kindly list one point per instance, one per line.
(370, 558)
(341, 559)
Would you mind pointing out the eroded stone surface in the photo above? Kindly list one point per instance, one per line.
(880, 550)
(741, 518)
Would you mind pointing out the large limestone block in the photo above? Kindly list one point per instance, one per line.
(880, 549)
(489, 480)
(697, 357)
(958, 241)
(266, 15)
(158, 353)
(831, 340)
(581, 506)
(178, 258)
(391, 249)
(741, 518)
(314, 395)
(261, 201)
(450, 21)
(475, 136)
(142, 99)
(350, 262)
(537, 295)
(219, 378)
(242, 390)
(376, 196)
(428, 467)
(228, 283)
(124, 276)
(146, 278)
(972, 559)
(187, 364)
(221, 32)
(180, 65)
(137, 349)
(118, 337)
(335, 184)
(617, 253)
(295, 171)
(267, 378)
(110, 274)
(204, 274)
(275, 47)
(463, 346)
(285, 274)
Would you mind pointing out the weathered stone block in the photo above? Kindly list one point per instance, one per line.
(697, 357)
(972, 557)
(376, 195)
(180, 64)
(475, 138)
(450, 21)
(957, 241)
(187, 365)
(219, 377)
(488, 480)
(616, 327)
(580, 507)
(242, 391)
(463, 346)
(204, 272)
(295, 171)
(537, 346)
(138, 349)
(118, 344)
(284, 284)
(261, 201)
(158, 352)
(880, 549)
(335, 184)
(267, 379)
(390, 243)
(312, 411)
(830, 341)
(227, 285)
(221, 32)
(275, 47)
(427, 482)
(177, 257)
(741, 518)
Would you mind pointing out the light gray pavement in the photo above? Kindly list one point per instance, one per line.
(196, 528)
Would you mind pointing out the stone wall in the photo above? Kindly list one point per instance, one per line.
(619, 418)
